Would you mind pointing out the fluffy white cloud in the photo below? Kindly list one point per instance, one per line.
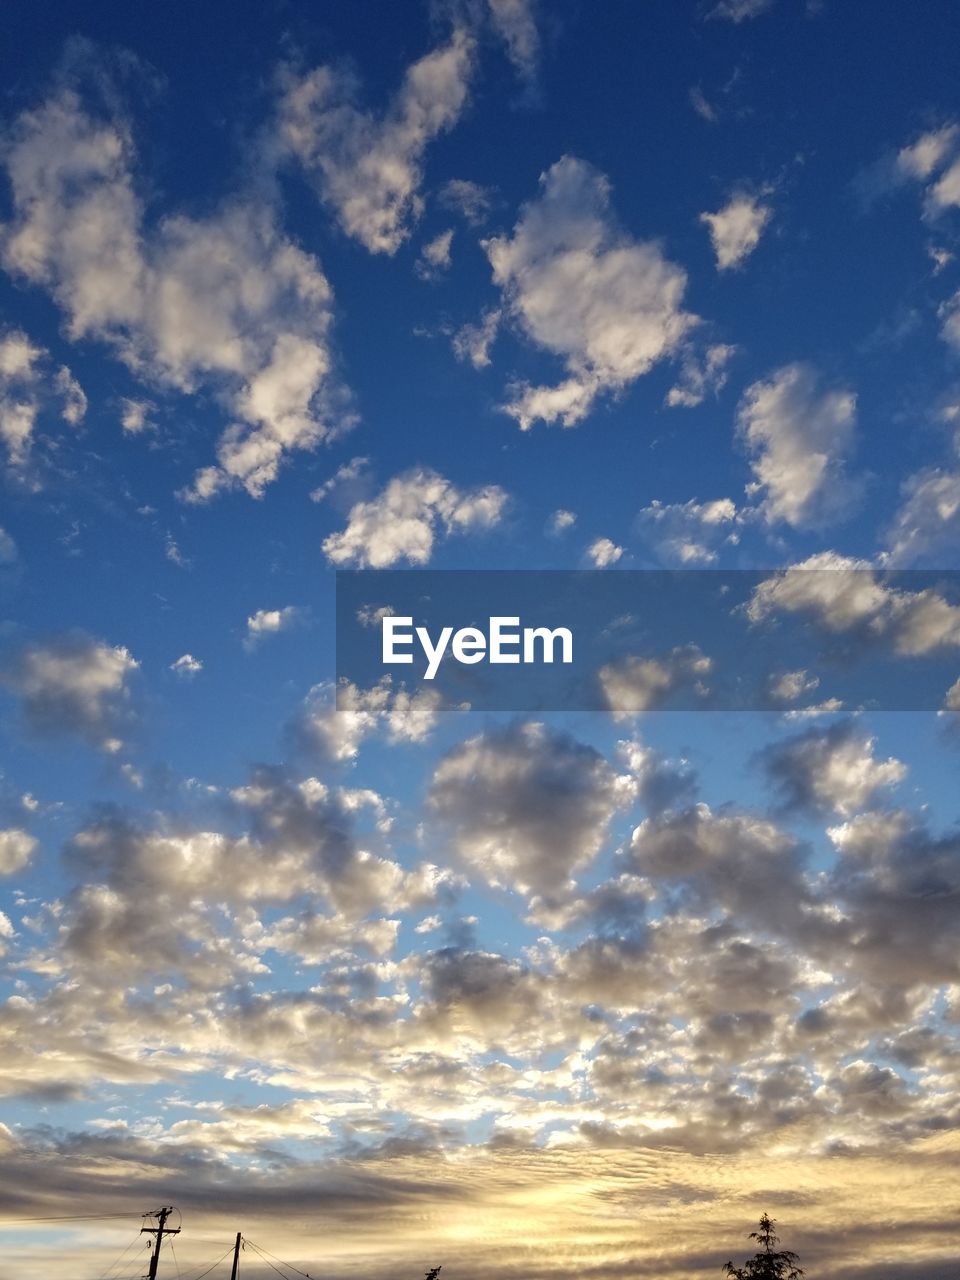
(526, 807)
(266, 622)
(16, 849)
(368, 170)
(227, 300)
(402, 522)
(735, 229)
(602, 553)
(798, 437)
(577, 286)
(515, 23)
(473, 341)
(561, 520)
(134, 416)
(701, 376)
(27, 387)
(435, 256)
(834, 770)
(633, 685)
(467, 198)
(689, 533)
(844, 595)
(186, 665)
(334, 723)
(927, 523)
(74, 685)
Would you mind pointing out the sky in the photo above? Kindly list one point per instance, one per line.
(387, 982)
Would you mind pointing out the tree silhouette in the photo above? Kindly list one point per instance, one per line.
(770, 1263)
(432, 1273)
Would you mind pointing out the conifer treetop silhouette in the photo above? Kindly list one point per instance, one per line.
(770, 1263)
(433, 1273)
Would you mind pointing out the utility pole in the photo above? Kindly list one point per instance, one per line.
(236, 1258)
(160, 1230)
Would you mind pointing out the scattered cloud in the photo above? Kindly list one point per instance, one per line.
(735, 229)
(515, 23)
(602, 553)
(561, 520)
(844, 595)
(74, 685)
(435, 257)
(525, 806)
(17, 847)
(927, 524)
(473, 341)
(29, 387)
(469, 199)
(577, 286)
(227, 301)
(830, 771)
(186, 666)
(701, 376)
(634, 685)
(335, 721)
(798, 437)
(367, 169)
(135, 415)
(739, 10)
(268, 622)
(691, 533)
(403, 521)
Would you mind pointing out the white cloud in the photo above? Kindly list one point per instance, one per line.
(467, 198)
(603, 553)
(701, 375)
(634, 685)
(134, 415)
(473, 341)
(561, 520)
(27, 387)
(798, 437)
(16, 849)
(579, 287)
(370, 170)
(927, 523)
(515, 23)
(925, 156)
(186, 665)
(949, 313)
(226, 301)
(527, 807)
(403, 521)
(8, 548)
(334, 723)
(844, 595)
(735, 229)
(739, 10)
(266, 622)
(791, 685)
(74, 685)
(689, 533)
(834, 770)
(435, 256)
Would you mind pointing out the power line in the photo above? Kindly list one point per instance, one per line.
(72, 1217)
(288, 1265)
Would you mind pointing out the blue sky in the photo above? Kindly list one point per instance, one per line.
(482, 284)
